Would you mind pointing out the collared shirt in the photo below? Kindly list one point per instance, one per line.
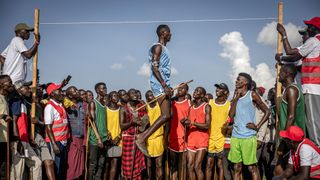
(76, 119)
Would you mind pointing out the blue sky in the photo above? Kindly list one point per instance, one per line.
(114, 53)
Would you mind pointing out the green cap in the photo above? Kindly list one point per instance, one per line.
(22, 26)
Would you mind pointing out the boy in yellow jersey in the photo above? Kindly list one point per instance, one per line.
(219, 115)
(155, 143)
(113, 125)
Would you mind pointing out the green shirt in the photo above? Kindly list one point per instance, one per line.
(300, 111)
(101, 124)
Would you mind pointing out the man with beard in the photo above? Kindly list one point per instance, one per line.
(133, 161)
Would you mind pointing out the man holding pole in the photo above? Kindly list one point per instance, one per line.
(310, 81)
(160, 61)
(98, 133)
(15, 55)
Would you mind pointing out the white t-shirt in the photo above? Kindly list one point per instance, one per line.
(310, 49)
(15, 64)
(308, 156)
(50, 113)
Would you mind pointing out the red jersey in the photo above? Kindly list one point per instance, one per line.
(198, 138)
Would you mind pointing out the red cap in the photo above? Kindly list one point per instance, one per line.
(262, 89)
(314, 21)
(294, 133)
(53, 87)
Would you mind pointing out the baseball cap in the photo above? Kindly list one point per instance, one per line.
(314, 21)
(222, 86)
(53, 87)
(294, 133)
(22, 26)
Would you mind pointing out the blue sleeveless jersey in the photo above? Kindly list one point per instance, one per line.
(164, 68)
(245, 113)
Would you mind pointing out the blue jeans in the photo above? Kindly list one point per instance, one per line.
(60, 160)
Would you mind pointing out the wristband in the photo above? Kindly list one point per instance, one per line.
(284, 37)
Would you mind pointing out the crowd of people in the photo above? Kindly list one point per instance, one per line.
(168, 134)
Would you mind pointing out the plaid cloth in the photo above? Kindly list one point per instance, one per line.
(128, 149)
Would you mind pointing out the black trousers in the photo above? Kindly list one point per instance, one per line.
(96, 162)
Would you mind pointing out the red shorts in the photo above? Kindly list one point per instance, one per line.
(197, 148)
(177, 145)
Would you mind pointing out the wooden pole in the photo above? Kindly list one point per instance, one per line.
(8, 151)
(279, 50)
(34, 73)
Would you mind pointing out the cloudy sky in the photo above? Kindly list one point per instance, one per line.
(212, 41)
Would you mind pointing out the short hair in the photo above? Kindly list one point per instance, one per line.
(69, 88)
(248, 78)
(3, 77)
(184, 84)
(203, 90)
(290, 68)
(162, 27)
(99, 84)
(148, 93)
(111, 93)
(121, 90)
(130, 90)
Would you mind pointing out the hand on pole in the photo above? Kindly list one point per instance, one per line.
(281, 29)
(37, 38)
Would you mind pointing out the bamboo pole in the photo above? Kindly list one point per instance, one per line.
(279, 50)
(34, 73)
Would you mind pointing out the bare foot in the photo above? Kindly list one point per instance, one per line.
(141, 145)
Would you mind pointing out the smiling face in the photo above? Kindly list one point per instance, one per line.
(149, 96)
(182, 91)
(241, 82)
(113, 97)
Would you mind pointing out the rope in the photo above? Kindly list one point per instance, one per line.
(153, 22)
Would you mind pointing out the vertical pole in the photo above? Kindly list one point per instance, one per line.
(34, 73)
(278, 86)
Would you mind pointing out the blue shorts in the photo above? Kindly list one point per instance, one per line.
(157, 89)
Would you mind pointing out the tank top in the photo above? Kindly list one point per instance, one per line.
(219, 115)
(113, 122)
(198, 137)
(164, 65)
(153, 114)
(180, 111)
(100, 124)
(245, 113)
(300, 110)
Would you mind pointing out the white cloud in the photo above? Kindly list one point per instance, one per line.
(146, 71)
(237, 52)
(174, 71)
(269, 34)
(130, 58)
(116, 66)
